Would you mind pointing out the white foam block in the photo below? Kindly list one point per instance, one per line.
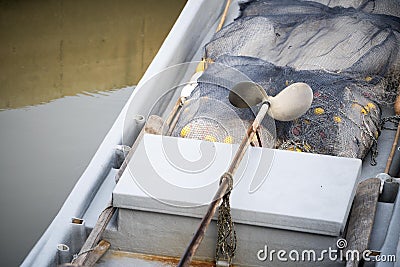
(273, 188)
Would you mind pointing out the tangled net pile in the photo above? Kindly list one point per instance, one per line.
(208, 114)
(348, 55)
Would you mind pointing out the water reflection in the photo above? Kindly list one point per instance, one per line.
(43, 151)
(51, 49)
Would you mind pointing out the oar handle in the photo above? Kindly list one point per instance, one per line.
(225, 184)
(223, 17)
(174, 111)
(361, 219)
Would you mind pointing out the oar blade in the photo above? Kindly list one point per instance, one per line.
(291, 103)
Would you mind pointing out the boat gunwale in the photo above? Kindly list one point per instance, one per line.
(76, 204)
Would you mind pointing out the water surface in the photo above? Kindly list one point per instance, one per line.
(51, 49)
(43, 151)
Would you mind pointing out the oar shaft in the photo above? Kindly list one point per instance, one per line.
(251, 131)
(223, 17)
(205, 222)
(173, 113)
(225, 184)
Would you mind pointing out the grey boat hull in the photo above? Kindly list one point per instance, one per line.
(90, 196)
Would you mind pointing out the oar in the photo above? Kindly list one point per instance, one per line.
(364, 206)
(223, 17)
(187, 90)
(362, 218)
(90, 247)
(296, 99)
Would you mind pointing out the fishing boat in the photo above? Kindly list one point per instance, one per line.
(319, 189)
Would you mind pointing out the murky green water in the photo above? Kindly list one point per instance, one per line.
(63, 54)
(51, 49)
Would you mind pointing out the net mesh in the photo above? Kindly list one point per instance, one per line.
(343, 119)
(307, 35)
(348, 56)
(208, 114)
(385, 7)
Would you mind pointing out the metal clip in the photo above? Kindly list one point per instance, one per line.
(383, 177)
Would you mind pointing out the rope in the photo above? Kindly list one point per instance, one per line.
(226, 240)
(374, 149)
(374, 154)
(395, 120)
(392, 119)
(81, 253)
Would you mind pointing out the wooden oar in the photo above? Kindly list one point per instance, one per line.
(187, 90)
(297, 98)
(90, 249)
(223, 17)
(226, 183)
(175, 112)
(362, 218)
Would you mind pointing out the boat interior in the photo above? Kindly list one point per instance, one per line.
(281, 200)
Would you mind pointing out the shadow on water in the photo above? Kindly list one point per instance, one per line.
(65, 53)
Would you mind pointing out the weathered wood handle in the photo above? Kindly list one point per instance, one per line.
(397, 104)
(362, 217)
(88, 254)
